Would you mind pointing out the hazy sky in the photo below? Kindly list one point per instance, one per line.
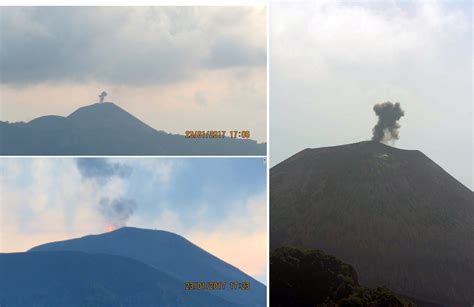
(176, 68)
(217, 203)
(331, 61)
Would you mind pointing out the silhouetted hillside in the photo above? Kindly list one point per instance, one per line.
(396, 216)
(168, 253)
(312, 278)
(79, 279)
(106, 129)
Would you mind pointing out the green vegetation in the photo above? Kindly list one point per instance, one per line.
(312, 278)
(393, 214)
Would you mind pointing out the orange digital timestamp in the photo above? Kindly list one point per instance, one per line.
(217, 134)
(205, 285)
(216, 285)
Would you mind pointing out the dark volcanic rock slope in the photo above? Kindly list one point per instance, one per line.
(106, 129)
(78, 279)
(170, 254)
(396, 216)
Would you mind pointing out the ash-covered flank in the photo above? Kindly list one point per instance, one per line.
(395, 215)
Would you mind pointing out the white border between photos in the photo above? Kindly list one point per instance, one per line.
(268, 153)
(134, 3)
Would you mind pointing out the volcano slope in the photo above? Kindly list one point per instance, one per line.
(170, 254)
(105, 129)
(395, 215)
(59, 279)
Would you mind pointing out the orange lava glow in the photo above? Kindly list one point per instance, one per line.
(110, 227)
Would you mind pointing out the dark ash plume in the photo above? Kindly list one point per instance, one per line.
(387, 126)
(102, 96)
(117, 211)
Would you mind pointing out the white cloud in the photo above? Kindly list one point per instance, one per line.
(49, 201)
(124, 45)
(151, 61)
(331, 61)
(246, 227)
(169, 220)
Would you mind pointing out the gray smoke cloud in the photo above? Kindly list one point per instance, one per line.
(387, 126)
(37, 43)
(102, 96)
(117, 211)
(101, 169)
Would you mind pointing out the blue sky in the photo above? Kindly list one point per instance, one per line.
(215, 185)
(217, 203)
